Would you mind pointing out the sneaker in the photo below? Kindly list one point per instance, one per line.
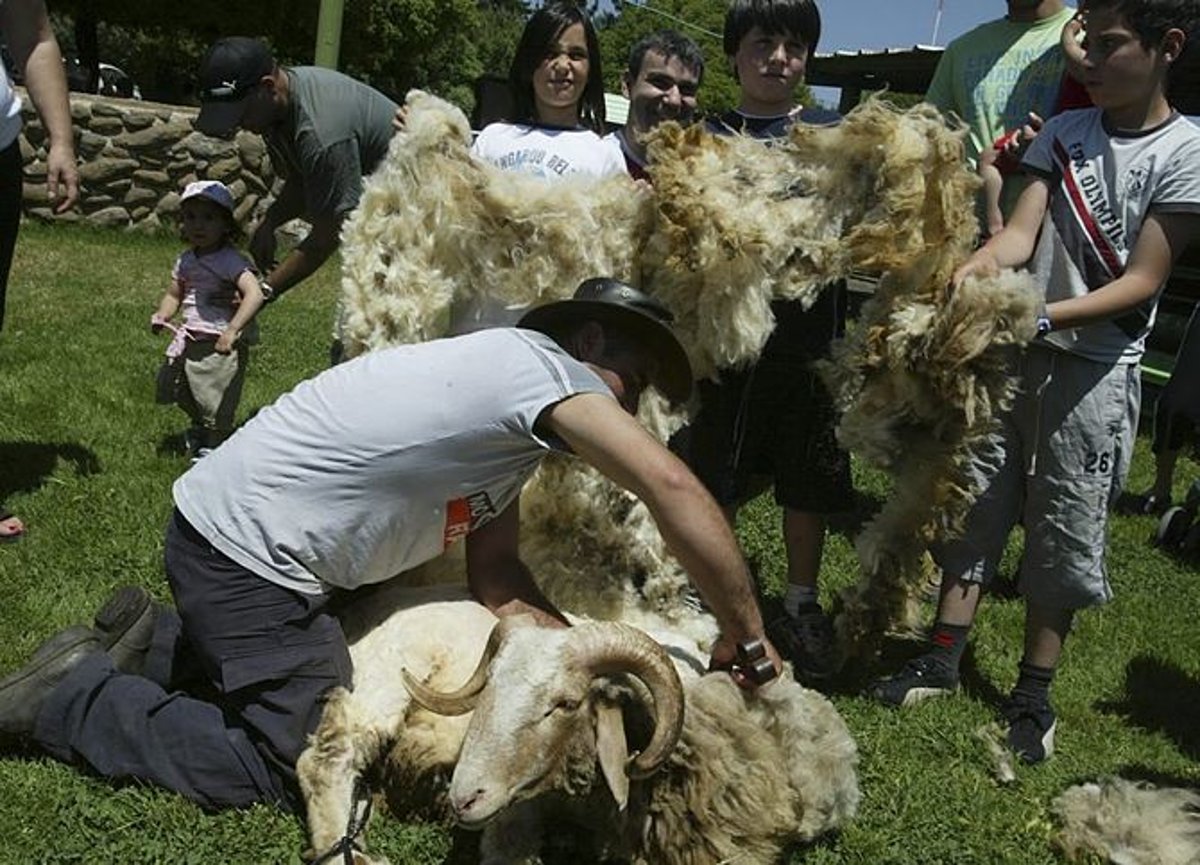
(921, 678)
(1031, 725)
(807, 640)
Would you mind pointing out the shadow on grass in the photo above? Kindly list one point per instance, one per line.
(1161, 697)
(24, 466)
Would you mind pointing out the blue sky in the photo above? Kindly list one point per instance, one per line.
(849, 25)
(854, 24)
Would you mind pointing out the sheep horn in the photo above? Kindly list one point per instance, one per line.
(611, 647)
(462, 700)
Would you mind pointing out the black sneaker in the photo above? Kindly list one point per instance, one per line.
(921, 678)
(807, 640)
(1031, 725)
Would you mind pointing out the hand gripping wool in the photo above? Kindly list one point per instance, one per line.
(728, 226)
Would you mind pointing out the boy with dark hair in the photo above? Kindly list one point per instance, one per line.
(1113, 200)
(773, 422)
(661, 81)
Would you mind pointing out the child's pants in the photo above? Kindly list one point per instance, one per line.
(212, 387)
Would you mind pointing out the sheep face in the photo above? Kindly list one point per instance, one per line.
(545, 715)
(529, 740)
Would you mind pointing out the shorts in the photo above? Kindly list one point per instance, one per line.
(774, 423)
(771, 423)
(205, 384)
(1055, 466)
(1177, 413)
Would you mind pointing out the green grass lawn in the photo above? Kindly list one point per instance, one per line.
(87, 460)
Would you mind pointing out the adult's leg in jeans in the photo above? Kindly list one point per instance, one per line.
(10, 214)
(268, 654)
(11, 528)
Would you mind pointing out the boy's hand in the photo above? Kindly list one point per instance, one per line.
(983, 263)
(157, 323)
(1071, 40)
(226, 341)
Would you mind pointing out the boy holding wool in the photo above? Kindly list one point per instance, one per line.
(1115, 198)
(773, 422)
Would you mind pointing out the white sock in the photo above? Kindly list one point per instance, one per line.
(798, 596)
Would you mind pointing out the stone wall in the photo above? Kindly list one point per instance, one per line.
(135, 158)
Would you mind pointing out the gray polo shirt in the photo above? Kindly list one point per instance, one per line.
(338, 130)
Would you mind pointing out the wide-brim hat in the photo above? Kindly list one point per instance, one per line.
(230, 70)
(612, 302)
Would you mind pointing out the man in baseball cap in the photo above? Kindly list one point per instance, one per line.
(324, 131)
(229, 73)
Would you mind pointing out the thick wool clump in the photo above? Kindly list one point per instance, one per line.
(920, 380)
(435, 228)
(719, 804)
(1129, 823)
(740, 224)
(728, 226)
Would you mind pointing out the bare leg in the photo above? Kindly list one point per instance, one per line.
(1164, 473)
(959, 601)
(804, 538)
(1046, 630)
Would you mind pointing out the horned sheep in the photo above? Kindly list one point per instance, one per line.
(709, 773)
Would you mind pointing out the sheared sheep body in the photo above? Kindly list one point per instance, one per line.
(748, 775)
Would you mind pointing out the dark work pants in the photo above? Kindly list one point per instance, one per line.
(10, 213)
(260, 657)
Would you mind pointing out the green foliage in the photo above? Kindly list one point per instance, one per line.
(87, 460)
(393, 45)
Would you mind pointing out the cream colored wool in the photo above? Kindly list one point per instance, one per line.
(728, 226)
(1129, 823)
(434, 227)
(751, 774)
(920, 380)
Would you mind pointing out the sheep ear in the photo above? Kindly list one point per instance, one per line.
(612, 751)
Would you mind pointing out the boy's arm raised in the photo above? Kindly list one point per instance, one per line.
(1159, 245)
(1013, 245)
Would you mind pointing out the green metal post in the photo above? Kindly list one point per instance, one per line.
(329, 33)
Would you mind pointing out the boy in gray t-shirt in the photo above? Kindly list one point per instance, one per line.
(1115, 196)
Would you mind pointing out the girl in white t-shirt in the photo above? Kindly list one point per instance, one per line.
(558, 101)
(216, 288)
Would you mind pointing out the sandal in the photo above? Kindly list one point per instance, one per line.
(11, 528)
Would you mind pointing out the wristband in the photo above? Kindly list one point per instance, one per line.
(1044, 325)
(268, 293)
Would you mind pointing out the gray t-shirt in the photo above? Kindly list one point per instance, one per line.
(380, 463)
(1103, 184)
(338, 131)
